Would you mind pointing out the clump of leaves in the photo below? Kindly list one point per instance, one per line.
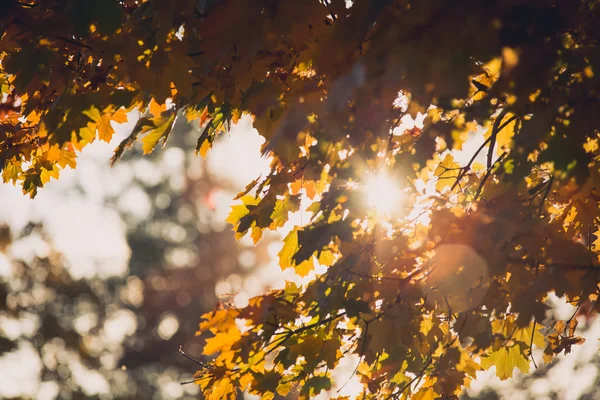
(455, 278)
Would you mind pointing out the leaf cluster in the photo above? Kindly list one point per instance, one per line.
(457, 279)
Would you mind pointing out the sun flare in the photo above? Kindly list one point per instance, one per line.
(382, 193)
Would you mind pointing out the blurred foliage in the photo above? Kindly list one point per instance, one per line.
(455, 277)
(67, 319)
(177, 257)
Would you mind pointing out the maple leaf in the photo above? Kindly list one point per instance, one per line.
(446, 172)
(321, 83)
(102, 120)
(163, 125)
(222, 341)
(506, 360)
(283, 208)
(313, 386)
(219, 320)
(239, 211)
(290, 247)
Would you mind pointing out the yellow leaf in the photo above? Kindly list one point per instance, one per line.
(93, 113)
(504, 137)
(239, 211)
(426, 394)
(105, 129)
(222, 389)
(191, 114)
(524, 335)
(162, 130)
(255, 235)
(11, 172)
(290, 247)
(102, 123)
(304, 268)
(426, 325)
(327, 258)
(155, 108)
(120, 116)
(308, 186)
(68, 157)
(204, 148)
(222, 341)
(54, 154)
(236, 115)
(282, 209)
(245, 380)
(597, 241)
(46, 174)
(446, 172)
(219, 320)
(506, 360)
(87, 133)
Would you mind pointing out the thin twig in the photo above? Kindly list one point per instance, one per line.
(285, 338)
(537, 267)
(195, 380)
(362, 355)
(391, 134)
(388, 278)
(531, 343)
(467, 167)
(407, 385)
(487, 175)
(76, 43)
(191, 358)
(495, 130)
(545, 196)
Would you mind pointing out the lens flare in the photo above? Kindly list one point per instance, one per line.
(382, 193)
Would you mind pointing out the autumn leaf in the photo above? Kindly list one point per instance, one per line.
(446, 172)
(524, 335)
(102, 120)
(503, 136)
(315, 385)
(290, 247)
(506, 360)
(163, 125)
(239, 211)
(222, 341)
(219, 320)
(326, 86)
(283, 208)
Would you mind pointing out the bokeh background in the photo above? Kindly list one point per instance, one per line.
(105, 274)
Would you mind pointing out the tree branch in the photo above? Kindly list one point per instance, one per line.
(74, 42)
(546, 193)
(495, 130)
(467, 167)
(487, 175)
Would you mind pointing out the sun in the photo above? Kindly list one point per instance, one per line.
(383, 193)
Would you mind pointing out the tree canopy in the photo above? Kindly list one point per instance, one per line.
(426, 284)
